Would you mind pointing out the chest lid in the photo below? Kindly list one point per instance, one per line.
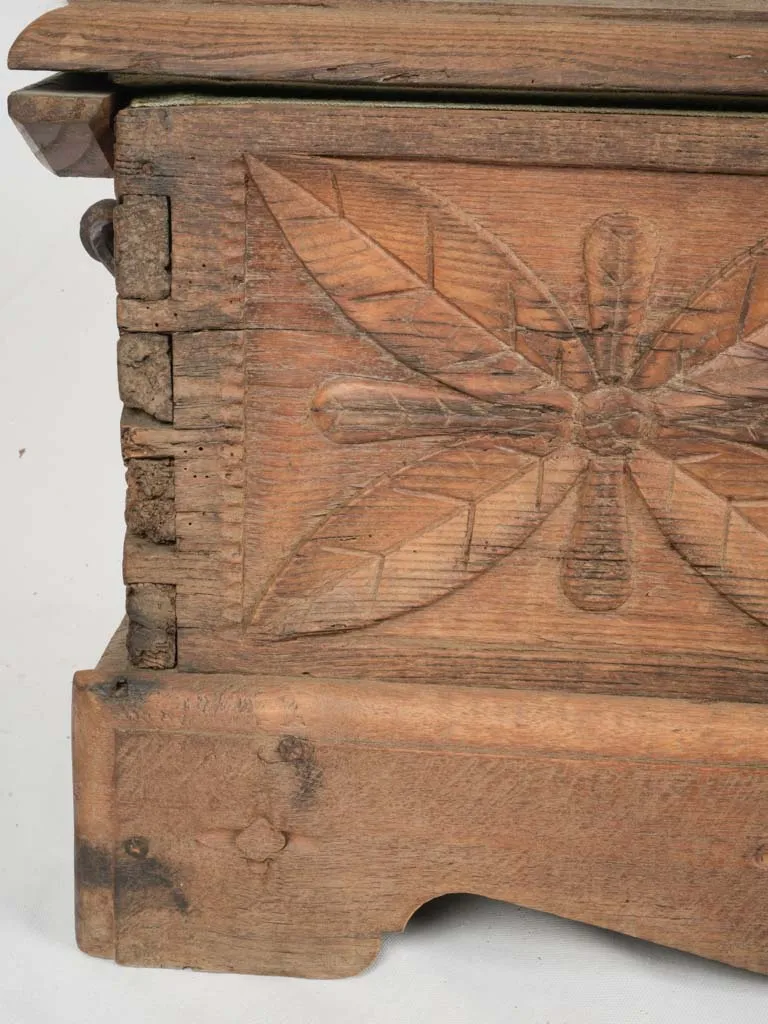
(593, 47)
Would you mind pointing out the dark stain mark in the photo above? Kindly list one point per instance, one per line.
(139, 877)
(93, 866)
(126, 691)
(180, 900)
(300, 753)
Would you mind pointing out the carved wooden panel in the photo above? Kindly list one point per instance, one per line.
(557, 409)
(484, 423)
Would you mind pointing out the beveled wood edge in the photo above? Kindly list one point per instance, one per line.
(68, 123)
(419, 44)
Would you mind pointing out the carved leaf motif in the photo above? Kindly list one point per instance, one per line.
(428, 316)
(620, 255)
(720, 533)
(733, 471)
(468, 265)
(725, 397)
(597, 571)
(352, 410)
(729, 308)
(416, 536)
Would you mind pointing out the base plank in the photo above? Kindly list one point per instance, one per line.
(282, 825)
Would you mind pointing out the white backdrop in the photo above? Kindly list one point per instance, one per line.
(463, 960)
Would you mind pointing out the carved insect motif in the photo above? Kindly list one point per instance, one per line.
(530, 407)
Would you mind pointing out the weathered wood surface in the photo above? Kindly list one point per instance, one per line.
(196, 129)
(67, 121)
(151, 610)
(453, 418)
(435, 44)
(282, 825)
(144, 374)
(142, 247)
(142, 241)
(151, 505)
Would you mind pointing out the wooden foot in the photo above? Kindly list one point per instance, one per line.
(280, 826)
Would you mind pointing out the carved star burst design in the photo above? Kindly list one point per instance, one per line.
(531, 408)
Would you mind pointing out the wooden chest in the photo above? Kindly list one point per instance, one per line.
(444, 355)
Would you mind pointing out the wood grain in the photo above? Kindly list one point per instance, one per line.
(597, 570)
(161, 138)
(440, 45)
(188, 148)
(204, 565)
(620, 254)
(256, 824)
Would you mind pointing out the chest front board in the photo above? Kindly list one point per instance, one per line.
(447, 394)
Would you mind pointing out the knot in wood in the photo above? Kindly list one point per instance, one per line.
(613, 421)
(136, 846)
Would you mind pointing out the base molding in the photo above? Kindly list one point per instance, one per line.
(282, 825)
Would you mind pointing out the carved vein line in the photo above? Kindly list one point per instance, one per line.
(474, 575)
(469, 536)
(677, 546)
(429, 244)
(746, 302)
(435, 199)
(726, 536)
(338, 196)
(468, 222)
